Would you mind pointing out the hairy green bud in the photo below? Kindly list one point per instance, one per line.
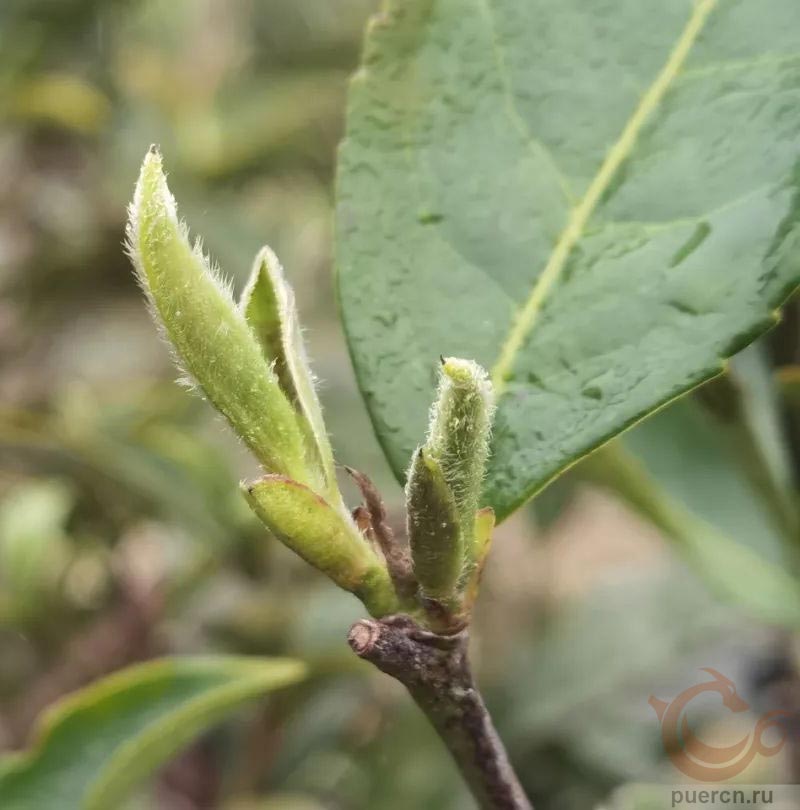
(458, 437)
(209, 333)
(434, 533)
(325, 538)
(269, 306)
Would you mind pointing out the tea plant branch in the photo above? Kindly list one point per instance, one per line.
(248, 359)
(436, 671)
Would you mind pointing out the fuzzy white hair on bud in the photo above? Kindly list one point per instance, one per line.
(458, 435)
(209, 335)
(268, 304)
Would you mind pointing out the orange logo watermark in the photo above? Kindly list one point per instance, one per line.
(707, 763)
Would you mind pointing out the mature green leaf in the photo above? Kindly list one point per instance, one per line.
(598, 201)
(95, 745)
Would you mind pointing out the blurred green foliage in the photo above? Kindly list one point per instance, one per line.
(122, 532)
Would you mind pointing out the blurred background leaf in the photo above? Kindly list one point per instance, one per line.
(93, 748)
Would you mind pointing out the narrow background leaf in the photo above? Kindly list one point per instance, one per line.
(675, 471)
(97, 744)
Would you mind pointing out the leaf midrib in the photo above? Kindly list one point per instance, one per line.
(582, 213)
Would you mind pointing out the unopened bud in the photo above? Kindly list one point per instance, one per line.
(458, 437)
(434, 533)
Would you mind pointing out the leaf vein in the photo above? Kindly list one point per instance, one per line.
(582, 213)
(512, 111)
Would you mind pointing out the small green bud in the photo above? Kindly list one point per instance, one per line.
(210, 335)
(269, 306)
(458, 437)
(325, 538)
(434, 533)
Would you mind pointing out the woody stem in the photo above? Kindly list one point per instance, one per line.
(435, 669)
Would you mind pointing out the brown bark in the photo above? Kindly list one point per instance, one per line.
(436, 671)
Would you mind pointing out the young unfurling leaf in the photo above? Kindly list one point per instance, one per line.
(323, 537)
(269, 307)
(210, 335)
